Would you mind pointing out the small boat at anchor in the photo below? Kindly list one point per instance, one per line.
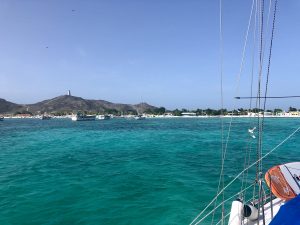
(139, 117)
(45, 117)
(102, 117)
(82, 117)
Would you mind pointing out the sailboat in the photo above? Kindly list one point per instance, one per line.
(275, 191)
(139, 116)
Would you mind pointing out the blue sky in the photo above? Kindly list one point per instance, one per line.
(164, 52)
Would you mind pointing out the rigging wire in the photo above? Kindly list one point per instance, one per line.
(238, 175)
(270, 55)
(268, 20)
(259, 125)
(265, 97)
(221, 178)
(259, 83)
(224, 148)
(203, 218)
(252, 70)
(248, 149)
(222, 106)
(266, 88)
(228, 214)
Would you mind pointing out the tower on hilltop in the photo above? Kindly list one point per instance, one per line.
(69, 93)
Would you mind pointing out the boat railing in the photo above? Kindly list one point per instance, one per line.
(225, 217)
(228, 214)
(243, 171)
(265, 198)
(222, 203)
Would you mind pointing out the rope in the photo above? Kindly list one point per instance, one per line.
(238, 175)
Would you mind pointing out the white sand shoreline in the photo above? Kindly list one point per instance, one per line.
(165, 117)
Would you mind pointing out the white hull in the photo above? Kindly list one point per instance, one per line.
(268, 213)
(139, 118)
(83, 118)
(45, 118)
(237, 218)
(102, 117)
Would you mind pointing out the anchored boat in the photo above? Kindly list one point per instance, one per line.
(102, 117)
(139, 117)
(82, 117)
(45, 117)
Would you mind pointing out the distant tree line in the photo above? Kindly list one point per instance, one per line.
(218, 112)
(23, 112)
(176, 112)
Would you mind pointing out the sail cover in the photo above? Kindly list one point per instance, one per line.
(289, 213)
(284, 180)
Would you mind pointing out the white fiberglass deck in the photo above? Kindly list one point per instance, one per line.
(268, 212)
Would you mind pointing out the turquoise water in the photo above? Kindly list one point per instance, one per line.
(154, 171)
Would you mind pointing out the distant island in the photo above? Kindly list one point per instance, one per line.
(68, 104)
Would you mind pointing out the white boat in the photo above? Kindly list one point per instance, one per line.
(102, 117)
(139, 117)
(81, 117)
(274, 198)
(45, 117)
(1, 118)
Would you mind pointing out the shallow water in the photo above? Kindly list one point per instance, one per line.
(154, 171)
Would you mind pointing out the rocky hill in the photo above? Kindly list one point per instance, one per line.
(9, 107)
(66, 103)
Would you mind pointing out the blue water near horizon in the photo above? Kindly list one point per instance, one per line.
(154, 171)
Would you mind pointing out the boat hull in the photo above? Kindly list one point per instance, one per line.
(102, 117)
(45, 118)
(139, 118)
(83, 118)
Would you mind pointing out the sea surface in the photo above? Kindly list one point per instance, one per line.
(127, 172)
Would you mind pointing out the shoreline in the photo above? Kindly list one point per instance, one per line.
(160, 117)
